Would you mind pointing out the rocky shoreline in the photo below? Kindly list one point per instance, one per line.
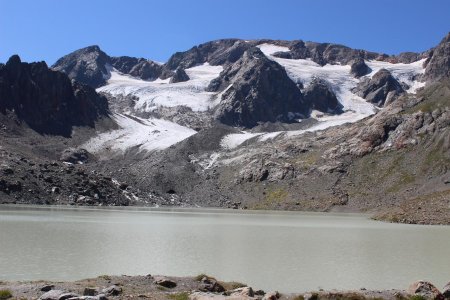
(200, 287)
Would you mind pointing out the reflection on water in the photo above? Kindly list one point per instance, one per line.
(268, 250)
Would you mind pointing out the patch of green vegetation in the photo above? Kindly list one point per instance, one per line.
(5, 294)
(272, 198)
(435, 96)
(179, 296)
(105, 277)
(307, 160)
(437, 155)
(402, 180)
(299, 297)
(417, 297)
(276, 195)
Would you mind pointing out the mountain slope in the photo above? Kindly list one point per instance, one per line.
(260, 124)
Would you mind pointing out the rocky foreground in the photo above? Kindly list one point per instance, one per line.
(200, 287)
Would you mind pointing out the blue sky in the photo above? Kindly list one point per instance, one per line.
(49, 29)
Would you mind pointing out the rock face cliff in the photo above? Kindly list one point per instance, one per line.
(381, 89)
(47, 101)
(257, 90)
(92, 66)
(87, 65)
(438, 66)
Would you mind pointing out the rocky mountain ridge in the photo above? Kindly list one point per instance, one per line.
(242, 124)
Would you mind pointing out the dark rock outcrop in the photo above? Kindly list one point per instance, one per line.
(219, 52)
(137, 67)
(438, 66)
(165, 282)
(48, 101)
(324, 53)
(179, 76)
(257, 90)
(359, 68)
(90, 66)
(321, 97)
(446, 291)
(380, 90)
(86, 65)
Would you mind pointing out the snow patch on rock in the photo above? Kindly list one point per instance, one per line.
(143, 134)
(157, 93)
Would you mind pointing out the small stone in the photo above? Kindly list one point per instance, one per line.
(113, 290)
(89, 291)
(446, 291)
(47, 287)
(271, 296)
(52, 295)
(66, 296)
(165, 282)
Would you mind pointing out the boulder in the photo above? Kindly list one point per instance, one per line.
(321, 97)
(242, 292)
(66, 296)
(74, 155)
(271, 296)
(113, 290)
(52, 295)
(210, 285)
(165, 282)
(89, 291)
(382, 89)
(47, 287)
(446, 291)
(424, 289)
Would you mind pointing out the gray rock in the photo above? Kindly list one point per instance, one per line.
(321, 97)
(52, 295)
(89, 291)
(271, 296)
(219, 52)
(242, 292)
(75, 155)
(424, 289)
(86, 65)
(113, 290)
(137, 67)
(66, 296)
(325, 53)
(47, 101)
(179, 76)
(382, 89)
(210, 285)
(446, 291)
(359, 68)
(257, 90)
(439, 61)
(47, 287)
(164, 281)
